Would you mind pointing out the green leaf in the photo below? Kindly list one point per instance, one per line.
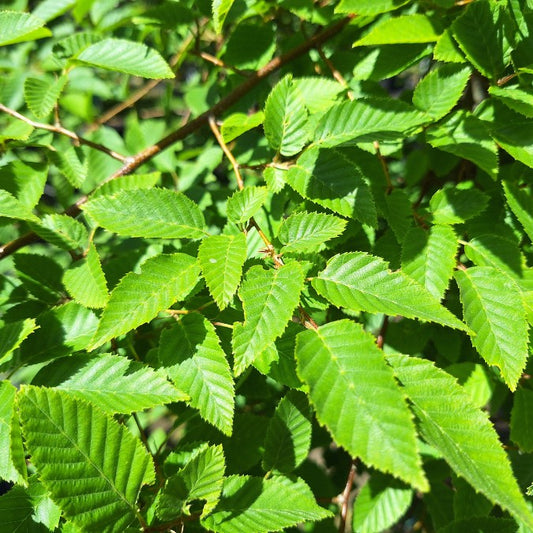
(12, 335)
(95, 486)
(369, 7)
(446, 49)
(24, 180)
(62, 231)
(454, 206)
(128, 182)
(152, 213)
(164, 279)
(85, 281)
(522, 419)
(12, 458)
(368, 119)
(244, 204)
(285, 118)
(221, 258)
(492, 306)
(481, 523)
(262, 505)
(10, 207)
(220, 11)
(115, 384)
(362, 282)
(416, 28)
(305, 232)
(439, 91)
(288, 437)
(429, 257)
(521, 205)
(71, 164)
(478, 31)
(126, 56)
(328, 178)
(41, 95)
(462, 433)
(268, 297)
(50, 9)
(318, 93)
(380, 504)
(17, 27)
(516, 99)
(238, 123)
(200, 479)
(398, 213)
(17, 510)
(191, 354)
(16, 130)
(349, 380)
(466, 136)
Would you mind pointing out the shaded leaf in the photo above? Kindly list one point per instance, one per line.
(10, 207)
(72, 164)
(62, 231)
(521, 205)
(13, 334)
(454, 206)
(522, 419)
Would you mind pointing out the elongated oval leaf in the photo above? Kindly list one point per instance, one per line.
(92, 466)
(13, 334)
(221, 259)
(461, 432)
(10, 207)
(191, 355)
(521, 204)
(126, 56)
(138, 298)
(62, 231)
(16, 27)
(244, 204)
(362, 282)
(349, 380)
(268, 297)
(493, 309)
(262, 505)
(159, 213)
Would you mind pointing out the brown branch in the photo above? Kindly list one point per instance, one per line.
(219, 63)
(380, 339)
(345, 497)
(334, 72)
(57, 128)
(194, 125)
(385, 168)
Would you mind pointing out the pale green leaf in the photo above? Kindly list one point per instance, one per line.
(62, 231)
(416, 28)
(466, 136)
(41, 95)
(164, 279)
(447, 50)
(221, 258)
(288, 437)
(328, 178)
(16, 27)
(461, 432)
(305, 232)
(368, 119)
(191, 354)
(285, 118)
(24, 180)
(439, 91)
(10, 207)
(362, 282)
(50, 9)
(220, 10)
(521, 205)
(429, 257)
(349, 380)
(380, 504)
(318, 93)
(16, 130)
(518, 100)
(493, 310)
(480, 36)
(12, 458)
(275, 178)
(238, 123)
(126, 56)
(522, 419)
(92, 466)
(12, 334)
(268, 297)
(128, 182)
(262, 505)
(115, 384)
(156, 213)
(85, 281)
(369, 7)
(72, 164)
(200, 479)
(73, 44)
(476, 379)
(454, 206)
(244, 204)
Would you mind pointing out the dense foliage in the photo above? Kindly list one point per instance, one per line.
(266, 265)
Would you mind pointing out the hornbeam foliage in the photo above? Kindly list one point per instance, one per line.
(266, 266)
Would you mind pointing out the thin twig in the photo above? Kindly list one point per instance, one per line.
(219, 63)
(335, 73)
(227, 151)
(385, 168)
(346, 496)
(380, 339)
(63, 131)
(194, 125)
